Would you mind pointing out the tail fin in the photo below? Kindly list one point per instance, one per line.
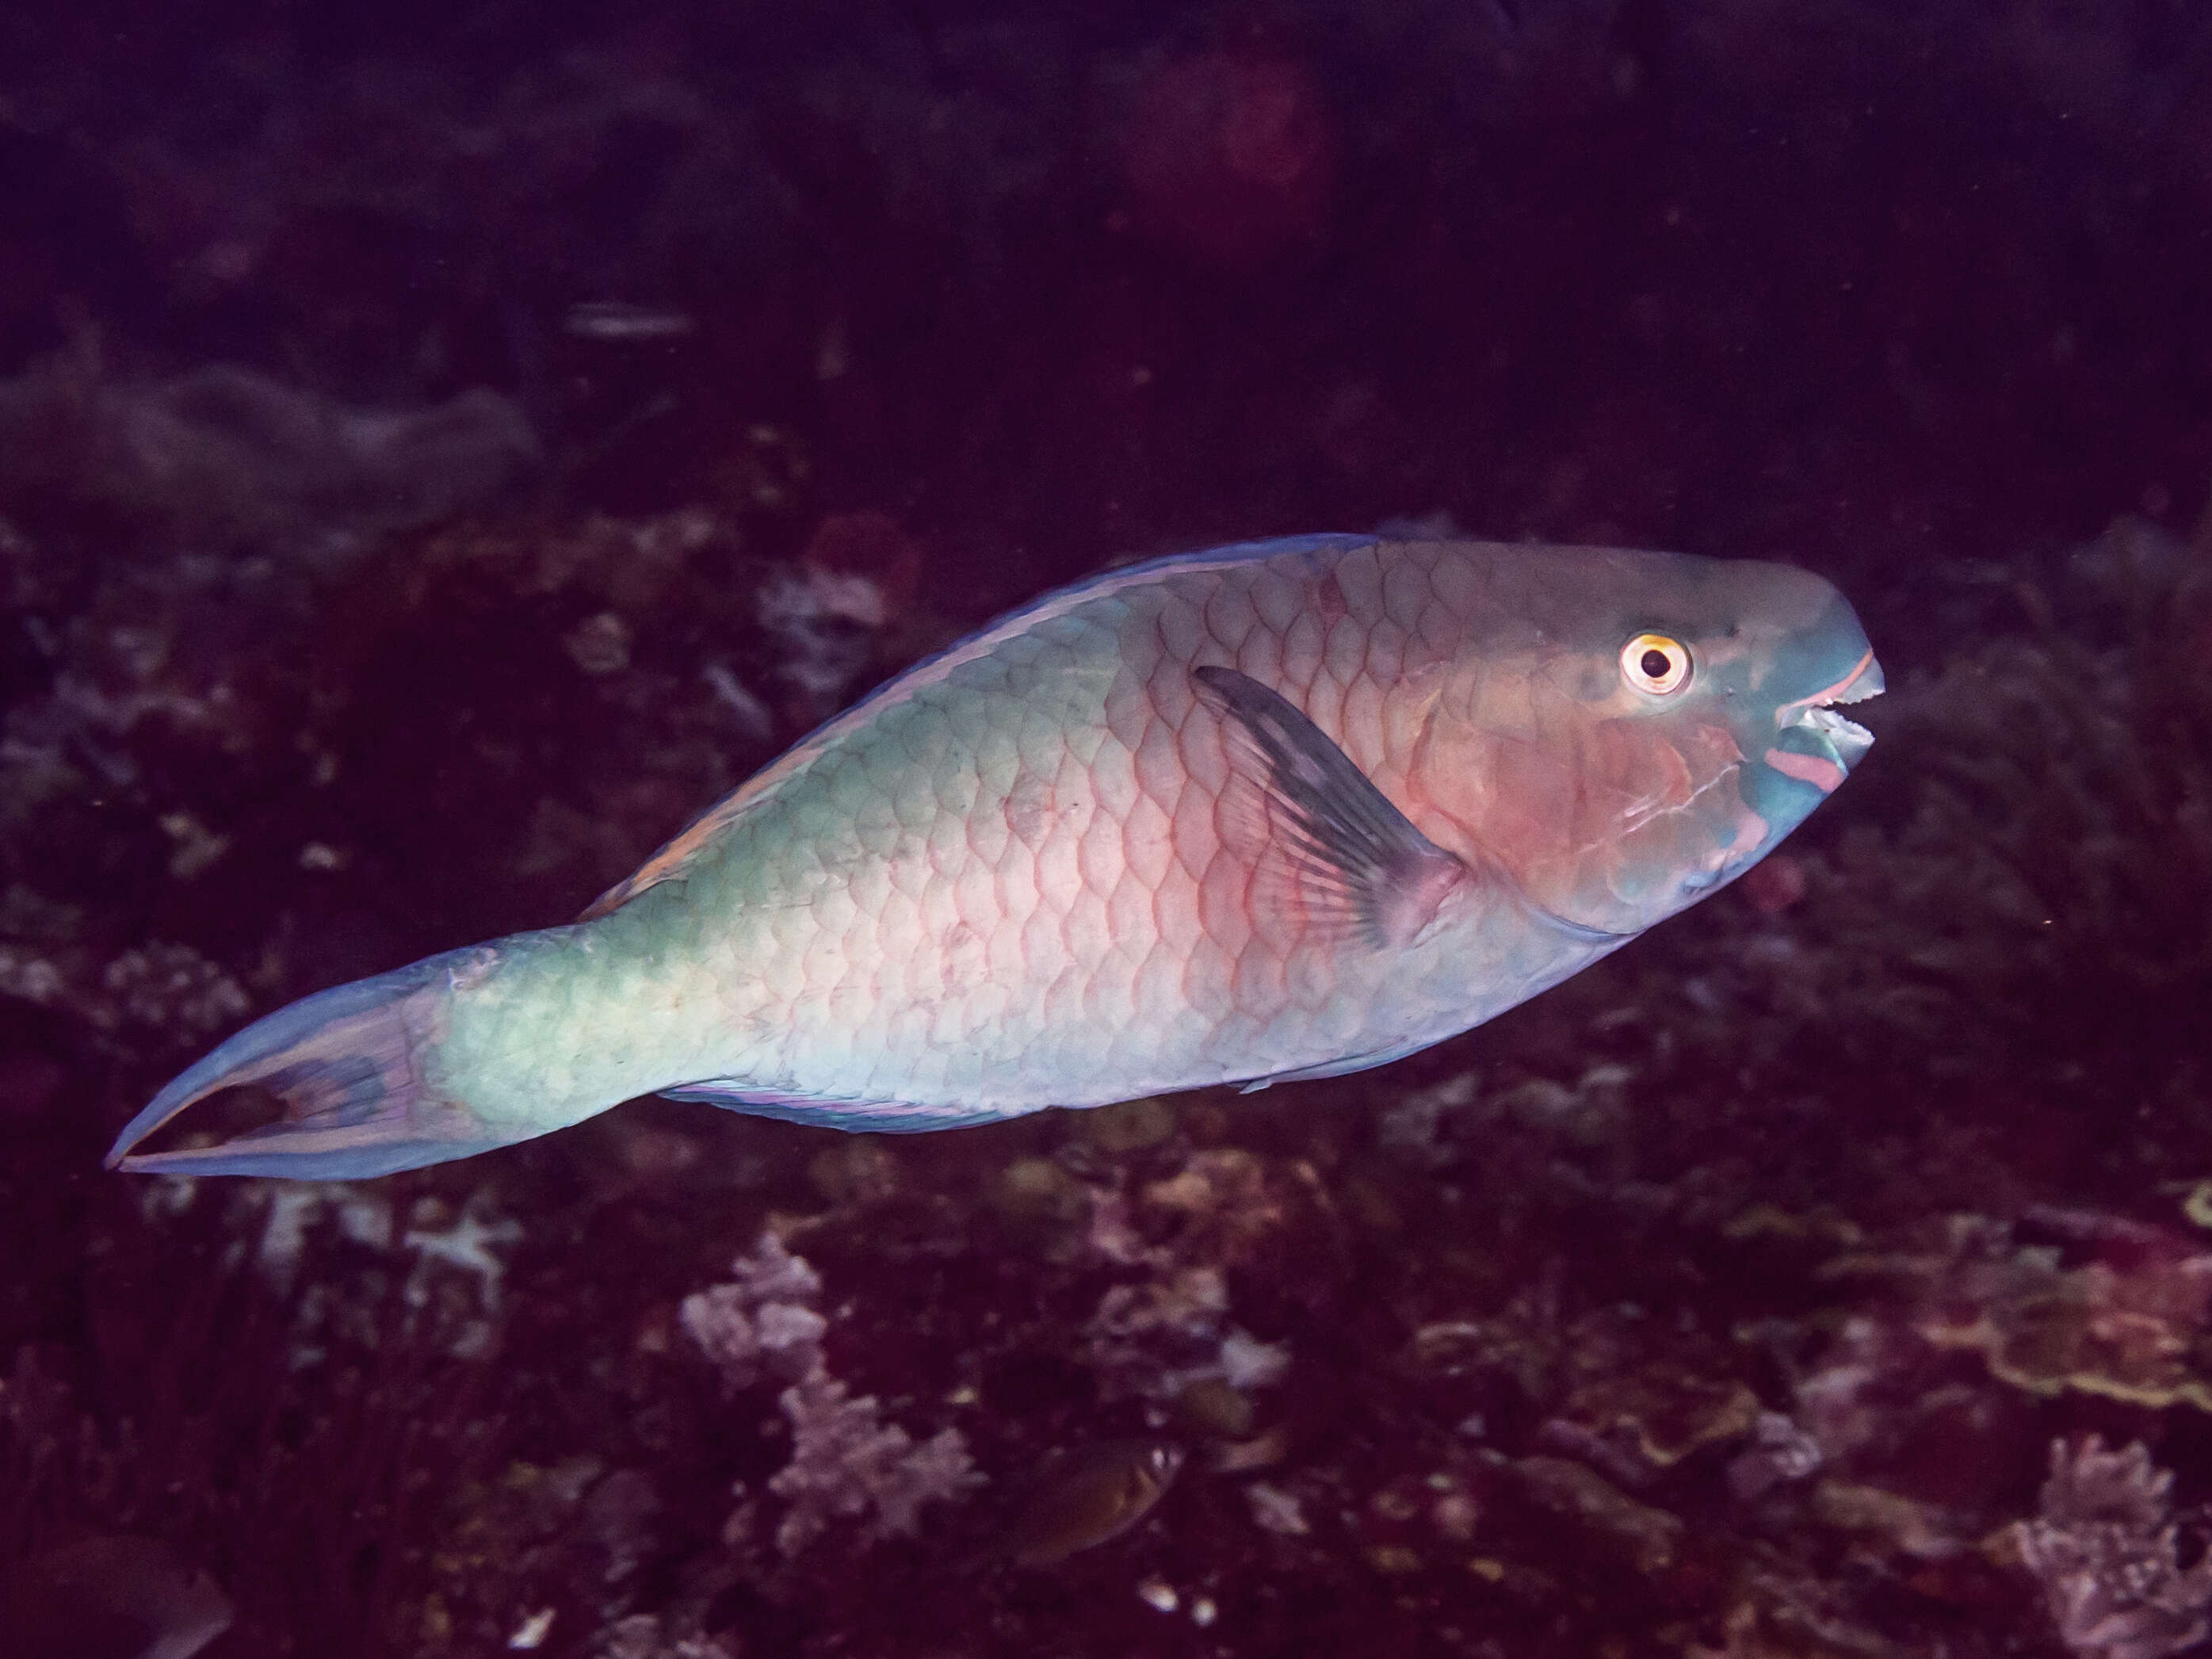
(348, 1065)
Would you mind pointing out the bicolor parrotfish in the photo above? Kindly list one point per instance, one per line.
(1282, 810)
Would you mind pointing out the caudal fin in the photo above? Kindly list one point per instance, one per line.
(348, 1065)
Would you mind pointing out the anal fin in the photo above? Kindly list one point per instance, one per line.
(830, 1111)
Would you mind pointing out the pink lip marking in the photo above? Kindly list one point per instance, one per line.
(1823, 775)
(1790, 712)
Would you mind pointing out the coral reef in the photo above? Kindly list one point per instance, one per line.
(1723, 1302)
(332, 1455)
(2106, 1546)
(224, 459)
(762, 1319)
(2058, 834)
(436, 461)
(846, 1463)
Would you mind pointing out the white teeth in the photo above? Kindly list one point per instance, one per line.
(1835, 725)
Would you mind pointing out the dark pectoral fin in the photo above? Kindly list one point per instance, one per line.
(1319, 826)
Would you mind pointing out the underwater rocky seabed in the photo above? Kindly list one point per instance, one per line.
(1830, 1272)
(1790, 1284)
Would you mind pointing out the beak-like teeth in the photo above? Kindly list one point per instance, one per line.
(1815, 713)
(1867, 682)
(1822, 718)
(1835, 725)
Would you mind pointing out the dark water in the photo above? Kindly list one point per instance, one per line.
(442, 448)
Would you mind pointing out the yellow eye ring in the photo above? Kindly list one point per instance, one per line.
(1656, 664)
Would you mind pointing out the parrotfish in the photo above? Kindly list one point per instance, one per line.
(1282, 810)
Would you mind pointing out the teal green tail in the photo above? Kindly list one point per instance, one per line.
(351, 1064)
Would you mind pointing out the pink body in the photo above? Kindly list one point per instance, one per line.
(1288, 809)
(1016, 880)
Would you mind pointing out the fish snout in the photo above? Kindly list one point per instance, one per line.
(1815, 745)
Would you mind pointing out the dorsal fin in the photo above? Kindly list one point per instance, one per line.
(681, 849)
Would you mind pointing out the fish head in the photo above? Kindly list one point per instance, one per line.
(1632, 731)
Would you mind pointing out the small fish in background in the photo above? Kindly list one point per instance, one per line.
(1286, 810)
(109, 1597)
(618, 322)
(1081, 1499)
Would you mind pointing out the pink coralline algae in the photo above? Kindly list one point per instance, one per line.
(2107, 1550)
(762, 1321)
(845, 1462)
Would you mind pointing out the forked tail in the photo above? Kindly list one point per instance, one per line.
(352, 1066)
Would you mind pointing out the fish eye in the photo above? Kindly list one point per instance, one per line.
(1655, 663)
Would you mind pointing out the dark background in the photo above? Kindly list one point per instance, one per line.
(1865, 285)
(434, 441)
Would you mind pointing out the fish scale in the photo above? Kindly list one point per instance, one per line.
(1069, 988)
(1286, 809)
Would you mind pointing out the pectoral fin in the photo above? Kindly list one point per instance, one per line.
(1328, 843)
(1325, 838)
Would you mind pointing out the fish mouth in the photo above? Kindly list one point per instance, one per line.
(1817, 745)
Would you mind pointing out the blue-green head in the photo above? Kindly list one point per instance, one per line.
(1629, 730)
